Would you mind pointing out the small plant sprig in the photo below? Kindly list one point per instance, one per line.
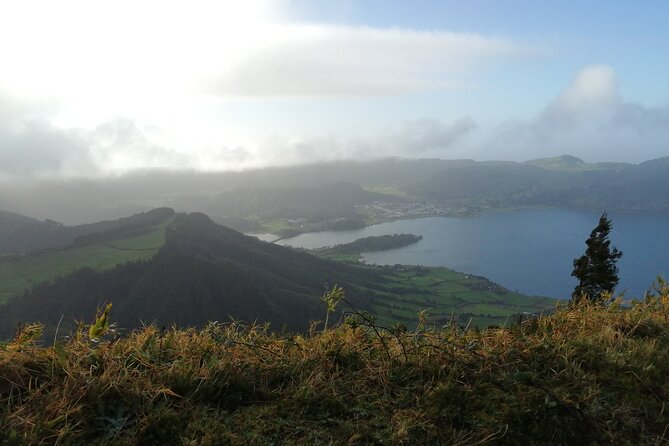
(101, 325)
(332, 299)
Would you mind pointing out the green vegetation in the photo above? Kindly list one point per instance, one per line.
(383, 191)
(596, 270)
(290, 227)
(587, 374)
(290, 211)
(283, 227)
(351, 251)
(20, 235)
(446, 295)
(209, 272)
(18, 274)
(203, 272)
(377, 243)
(331, 299)
(569, 163)
(388, 190)
(450, 297)
(315, 191)
(559, 182)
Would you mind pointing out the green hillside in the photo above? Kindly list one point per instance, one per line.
(583, 375)
(203, 272)
(446, 295)
(317, 193)
(449, 296)
(18, 274)
(555, 182)
(208, 272)
(20, 235)
(352, 251)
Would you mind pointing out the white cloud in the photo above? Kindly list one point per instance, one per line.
(592, 94)
(120, 145)
(123, 50)
(322, 60)
(429, 135)
(422, 137)
(30, 145)
(79, 65)
(127, 51)
(154, 61)
(589, 119)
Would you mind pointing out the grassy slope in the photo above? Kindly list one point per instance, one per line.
(389, 190)
(445, 294)
(281, 227)
(449, 294)
(583, 375)
(21, 273)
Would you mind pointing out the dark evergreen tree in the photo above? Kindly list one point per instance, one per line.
(596, 270)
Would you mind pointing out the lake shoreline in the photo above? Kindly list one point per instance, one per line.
(529, 250)
(470, 214)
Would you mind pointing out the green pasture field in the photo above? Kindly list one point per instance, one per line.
(449, 295)
(388, 190)
(327, 253)
(282, 227)
(445, 294)
(20, 274)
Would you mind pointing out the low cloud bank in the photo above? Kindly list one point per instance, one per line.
(589, 119)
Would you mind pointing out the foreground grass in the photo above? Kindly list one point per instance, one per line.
(22, 273)
(583, 375)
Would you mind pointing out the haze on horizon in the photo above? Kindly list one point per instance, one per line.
(91, 88)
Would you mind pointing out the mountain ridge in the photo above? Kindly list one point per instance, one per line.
(187, 191)
(203, 272)
(20, 235)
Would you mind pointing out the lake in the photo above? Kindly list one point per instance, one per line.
(530, 251)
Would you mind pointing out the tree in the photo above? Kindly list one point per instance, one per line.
(596, 270)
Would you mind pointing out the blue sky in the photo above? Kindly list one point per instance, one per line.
(631, 36)
(96, 88)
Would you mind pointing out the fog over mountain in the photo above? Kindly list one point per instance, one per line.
(337, 189)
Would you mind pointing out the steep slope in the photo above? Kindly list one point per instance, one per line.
(100, 251)
(23, 235)
(203, 272)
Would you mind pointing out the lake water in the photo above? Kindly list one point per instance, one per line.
(530, 251)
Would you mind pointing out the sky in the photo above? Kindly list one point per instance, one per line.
(96, 88)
